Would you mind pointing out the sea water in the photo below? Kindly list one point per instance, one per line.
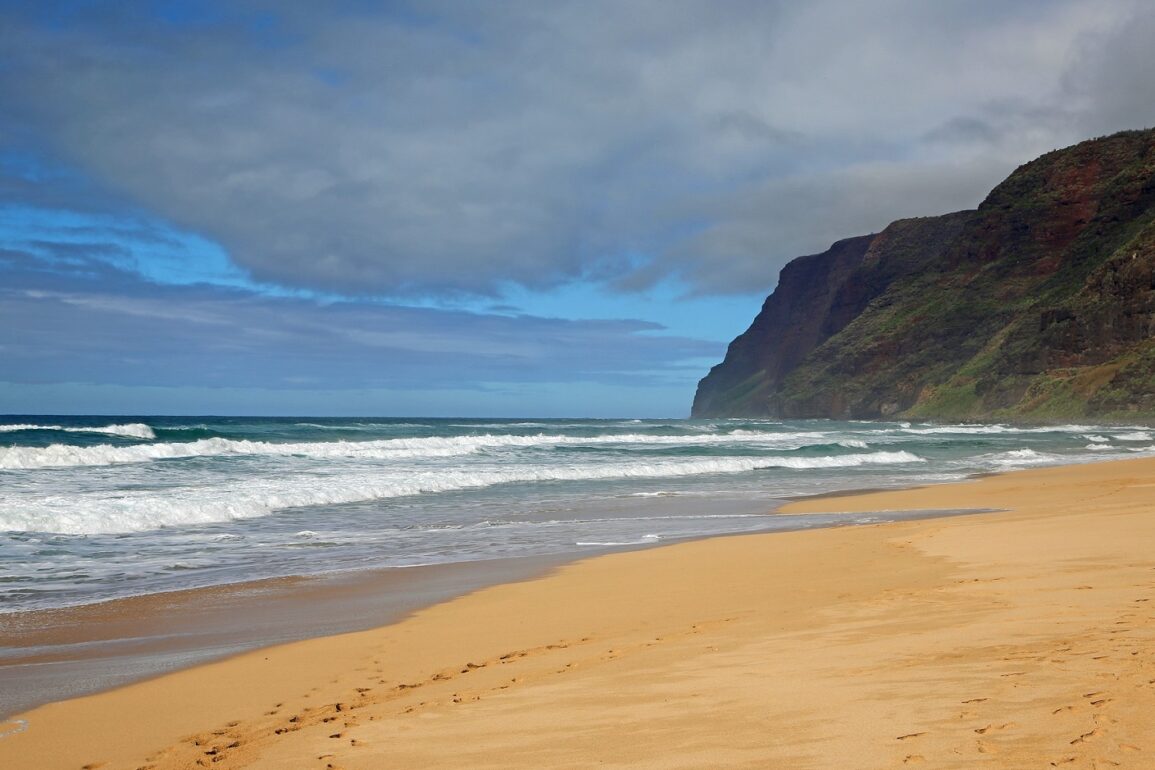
(93, 508)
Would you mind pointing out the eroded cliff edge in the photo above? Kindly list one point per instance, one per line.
(1039, 305)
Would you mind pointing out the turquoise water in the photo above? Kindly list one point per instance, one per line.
(94, 508)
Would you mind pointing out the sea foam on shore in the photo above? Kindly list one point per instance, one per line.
(97, 508)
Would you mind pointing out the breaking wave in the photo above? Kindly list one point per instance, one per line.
(1016, 458)
(66, 456)
(986, 430)
(129, 430)
(139, 511)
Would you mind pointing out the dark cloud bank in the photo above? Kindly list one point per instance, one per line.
(441, 148)
(82, 320)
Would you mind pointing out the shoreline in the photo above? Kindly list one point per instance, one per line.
(881, 629)
(57, 654)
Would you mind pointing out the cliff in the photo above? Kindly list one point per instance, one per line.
(1038, 305)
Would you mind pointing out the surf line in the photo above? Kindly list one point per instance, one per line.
(20, 726)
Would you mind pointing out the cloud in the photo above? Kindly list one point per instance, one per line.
(443, 148)
(1111, 79)
(88, 322)
(806, 213)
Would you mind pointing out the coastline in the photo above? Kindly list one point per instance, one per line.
(57, 654)
(69, 652)
(1017, 636)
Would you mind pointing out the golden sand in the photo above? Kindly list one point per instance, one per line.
(1018, 639)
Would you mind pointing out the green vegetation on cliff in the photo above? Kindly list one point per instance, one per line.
(1039, 305)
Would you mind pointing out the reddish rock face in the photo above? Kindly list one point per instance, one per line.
(1076, 187)
(1039, 304)
(794, 320)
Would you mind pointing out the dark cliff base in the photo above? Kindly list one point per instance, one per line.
(1037, 306)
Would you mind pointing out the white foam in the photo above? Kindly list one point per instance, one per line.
(362, 426)
(12, 727)
(1139, 435)
(129, 430)
(1019, 457)
(979, 430)
(65, 456)
(131, 510)
(1022, 454)
(605, 543)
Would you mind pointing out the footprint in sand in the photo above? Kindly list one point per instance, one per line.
(986, 748)
(1087, 736)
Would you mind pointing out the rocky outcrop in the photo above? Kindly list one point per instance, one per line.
(1038, 305)
(809, 306)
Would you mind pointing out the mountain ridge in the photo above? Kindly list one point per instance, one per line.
(1038, 305)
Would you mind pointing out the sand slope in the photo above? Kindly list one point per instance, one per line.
(1015, 639)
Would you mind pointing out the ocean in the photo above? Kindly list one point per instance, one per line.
(98, 508)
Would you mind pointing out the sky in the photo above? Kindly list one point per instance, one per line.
(518, 208)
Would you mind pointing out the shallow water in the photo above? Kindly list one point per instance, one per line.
(93, 508)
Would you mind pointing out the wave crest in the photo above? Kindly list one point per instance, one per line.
(66, 456)
(128, 430)
(193, 506)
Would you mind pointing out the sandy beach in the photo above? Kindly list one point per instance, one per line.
(1020, 638)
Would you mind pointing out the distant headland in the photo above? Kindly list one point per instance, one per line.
(1038, 305)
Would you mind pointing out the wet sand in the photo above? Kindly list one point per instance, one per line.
(1022, 638)
(52, 655)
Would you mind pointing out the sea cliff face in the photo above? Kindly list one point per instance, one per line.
(1038, 305)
